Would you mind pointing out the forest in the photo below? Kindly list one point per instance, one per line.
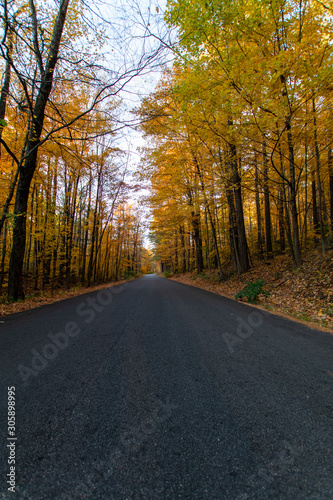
(240, 135)
(66, 214)
(238, 143)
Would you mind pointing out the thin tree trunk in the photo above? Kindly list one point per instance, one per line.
(91, 263)
(9, 199)
(268, 223)
(257, 193)
(285, 207)
(330, 171)
(306, 197)
(282, 239)
(6, 79)
(320, 202)
(314, 207)
(293, 194)
(3, 256)
(27, 264)
(243, 252)
(36, 242)
(212, 225)
(182, 243)
(207, 244)
(86, 234)
(296, 246)
(69, 248)
(195, 223)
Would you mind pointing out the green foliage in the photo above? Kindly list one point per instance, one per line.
(11, 217)
(167, 274)
(303, 316)
(329, 311)
(199, 275)
(252, 290)
(129, 275)
(3, 123)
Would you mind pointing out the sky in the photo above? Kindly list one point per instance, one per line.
(135, 30)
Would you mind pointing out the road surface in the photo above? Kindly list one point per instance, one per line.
(157, 390)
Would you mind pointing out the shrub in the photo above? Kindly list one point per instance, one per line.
(252, 290)
(129, 275)
(167, 274)
(199, 275)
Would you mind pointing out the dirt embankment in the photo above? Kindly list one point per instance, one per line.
(39, 299)
(305, 293)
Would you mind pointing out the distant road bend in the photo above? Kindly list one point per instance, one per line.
(156, 390)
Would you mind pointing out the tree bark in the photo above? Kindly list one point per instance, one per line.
(259, 228)
(268, 223)
(6, 80)
(3, 257)
(15, 280)
(195, 223)
(183, 247)
(320, 202)
(293, 201)
(212, 225)
(330, 171)
(314, 206)
(243, 252)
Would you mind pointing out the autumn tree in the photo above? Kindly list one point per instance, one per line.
(51, 53)
(248, 99)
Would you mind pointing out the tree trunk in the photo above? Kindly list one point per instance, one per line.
(196, 224)
(314, 207)
(330, 171)
(6, 80)
(268, 223)
(293, 200)
(9, 199)
(320, 202)
(182, 242)
(306, 196)
(94, 235)
(207, 244)
(197, 240)
(3, 257)
(281, 222)
(256, 188)
(86, 234)
(36, 242)
(202, 184)
(15, 281)
(243, 252)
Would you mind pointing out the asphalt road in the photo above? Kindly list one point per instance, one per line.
(157, 390)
